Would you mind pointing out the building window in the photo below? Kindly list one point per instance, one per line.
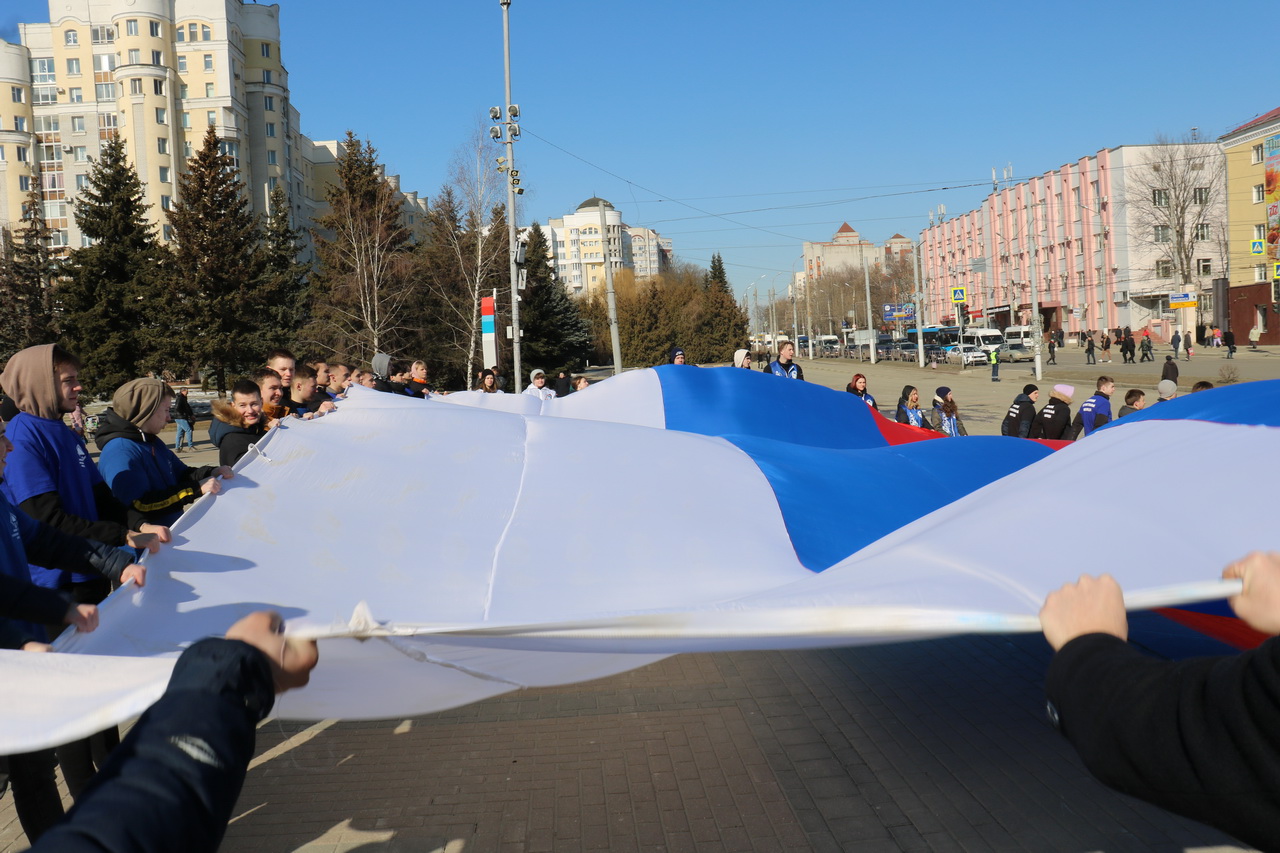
(266, 75)
(131, 27)
(165, 201)
(157, 86)
(1257, 150)
(72, 37)
(1260, 232)
(77, 124)
(20, 124)
(18, 94)
(1259, 194)
(162, 116)
(269, 103)
(103, 35)
(271, 130)
(81, 154)
(191, 29)
(1259, 272)
(208, 62)
(104, 91)
(75, 95)
(1200, 195)
(73, 67)
(186, 121)
(134, 56)
(1202, 231)
(266, 49)
(187, 151)
(155, 29)
(206, 34)
(164, 174)
(1204, 266)
(1160, 198)
(209, 90)
(22, 154)
(168, 232)
(42, 71)
(271, 158)
(44, 94)
(183, 91)
(230, 148)
(24, 183)
(135, 86)
(157, 57)
(162, 145)
(1164, 269)
(1162, 233)
(272, 183)
(211, 117)
(179, 34)
(82, 181)
(182, 64)
(107, 124)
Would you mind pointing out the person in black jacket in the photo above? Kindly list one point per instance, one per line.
(1199, 737)
(909, 411)
(1022, 412)
(238, 422)
(1054, 420)
(184, 419)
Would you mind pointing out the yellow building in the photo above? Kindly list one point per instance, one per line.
(158, 72)
(1252, 298)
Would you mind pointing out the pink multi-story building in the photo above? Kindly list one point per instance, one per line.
(1073, 233)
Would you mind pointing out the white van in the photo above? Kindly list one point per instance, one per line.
(1024, 335)
(984, 339)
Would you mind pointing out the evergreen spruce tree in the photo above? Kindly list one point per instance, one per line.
(282, 297)
(28, 272)
(212, 317)
(722, 325)
(111, 302)
(556, 337)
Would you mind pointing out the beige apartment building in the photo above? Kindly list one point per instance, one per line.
(1253, 217)
(158, 72)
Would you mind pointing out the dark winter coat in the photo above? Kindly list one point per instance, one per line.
(143, 472)
(1054, 420)
(231, 435)
(1017, 422)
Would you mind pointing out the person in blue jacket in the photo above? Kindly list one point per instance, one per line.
(1095, 411)
(141, 470)
(785, 366)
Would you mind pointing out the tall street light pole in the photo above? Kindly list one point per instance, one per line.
(507, 133)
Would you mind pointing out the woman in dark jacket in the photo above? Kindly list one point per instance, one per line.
(1054, 420)
(859, 386)
(909, 408)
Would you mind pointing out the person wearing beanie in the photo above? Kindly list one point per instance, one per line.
(1170, 370)
(538, 385)
(1166, 390)
(141, 470)
(1022, 412)
(945, 417)
(1054, 420)
(675, 356)
(742, 358)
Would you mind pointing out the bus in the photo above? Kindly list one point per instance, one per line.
(941, 336)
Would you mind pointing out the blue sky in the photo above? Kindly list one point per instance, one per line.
(748, 127)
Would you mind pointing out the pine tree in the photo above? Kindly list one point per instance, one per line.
(282, 298)
(213, 310)
(366, 276)
(722, 325)
(556, 337)
(112, 303)
(28, 271)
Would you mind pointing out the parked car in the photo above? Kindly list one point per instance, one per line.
(970, 354)
(1016, 352)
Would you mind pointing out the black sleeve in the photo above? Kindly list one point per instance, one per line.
(901, 416)
(1026, 415)
(111, 509)
(1037, 427)
(799, 373)
(172, 783)
(1198, 737)
(48, 546)
(22, 600)
(233, 446)
(48, 508)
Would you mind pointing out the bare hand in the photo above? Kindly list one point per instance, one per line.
(150, 541)
(224, 471)
(291, 660)
(1088, 606)
(326, 406)
(1259, 603)
(210, 486)
(136, 573)
(83, 616)
(37, 647)
(161, 532)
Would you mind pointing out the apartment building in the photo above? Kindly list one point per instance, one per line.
(1253, 214)
(847, 250)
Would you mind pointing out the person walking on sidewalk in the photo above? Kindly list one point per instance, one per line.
(1170, 371)
(1053, 350)
(1089, 357)
(184, 419)
(1229, 341)
(1175, 342)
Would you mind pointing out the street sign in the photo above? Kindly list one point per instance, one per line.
(1257, 247)
(958, 295)
(1182, 300)
(1275, 270)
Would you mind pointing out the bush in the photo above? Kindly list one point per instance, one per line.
(1227, 374)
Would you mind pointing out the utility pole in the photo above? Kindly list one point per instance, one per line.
(610, 299)
(866, 282)
(917, 298)
(808, 314)
(512, 131)
(1033, 249)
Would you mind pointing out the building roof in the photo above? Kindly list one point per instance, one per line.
(1262, 119)
(846, 227)
(593, 203)
(897, 237)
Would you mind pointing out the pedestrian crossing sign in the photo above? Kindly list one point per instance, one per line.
(958, 295)
(1256, 247)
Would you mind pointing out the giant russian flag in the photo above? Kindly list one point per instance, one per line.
(452, 549)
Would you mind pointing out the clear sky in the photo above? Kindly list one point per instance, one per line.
(748, 127)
